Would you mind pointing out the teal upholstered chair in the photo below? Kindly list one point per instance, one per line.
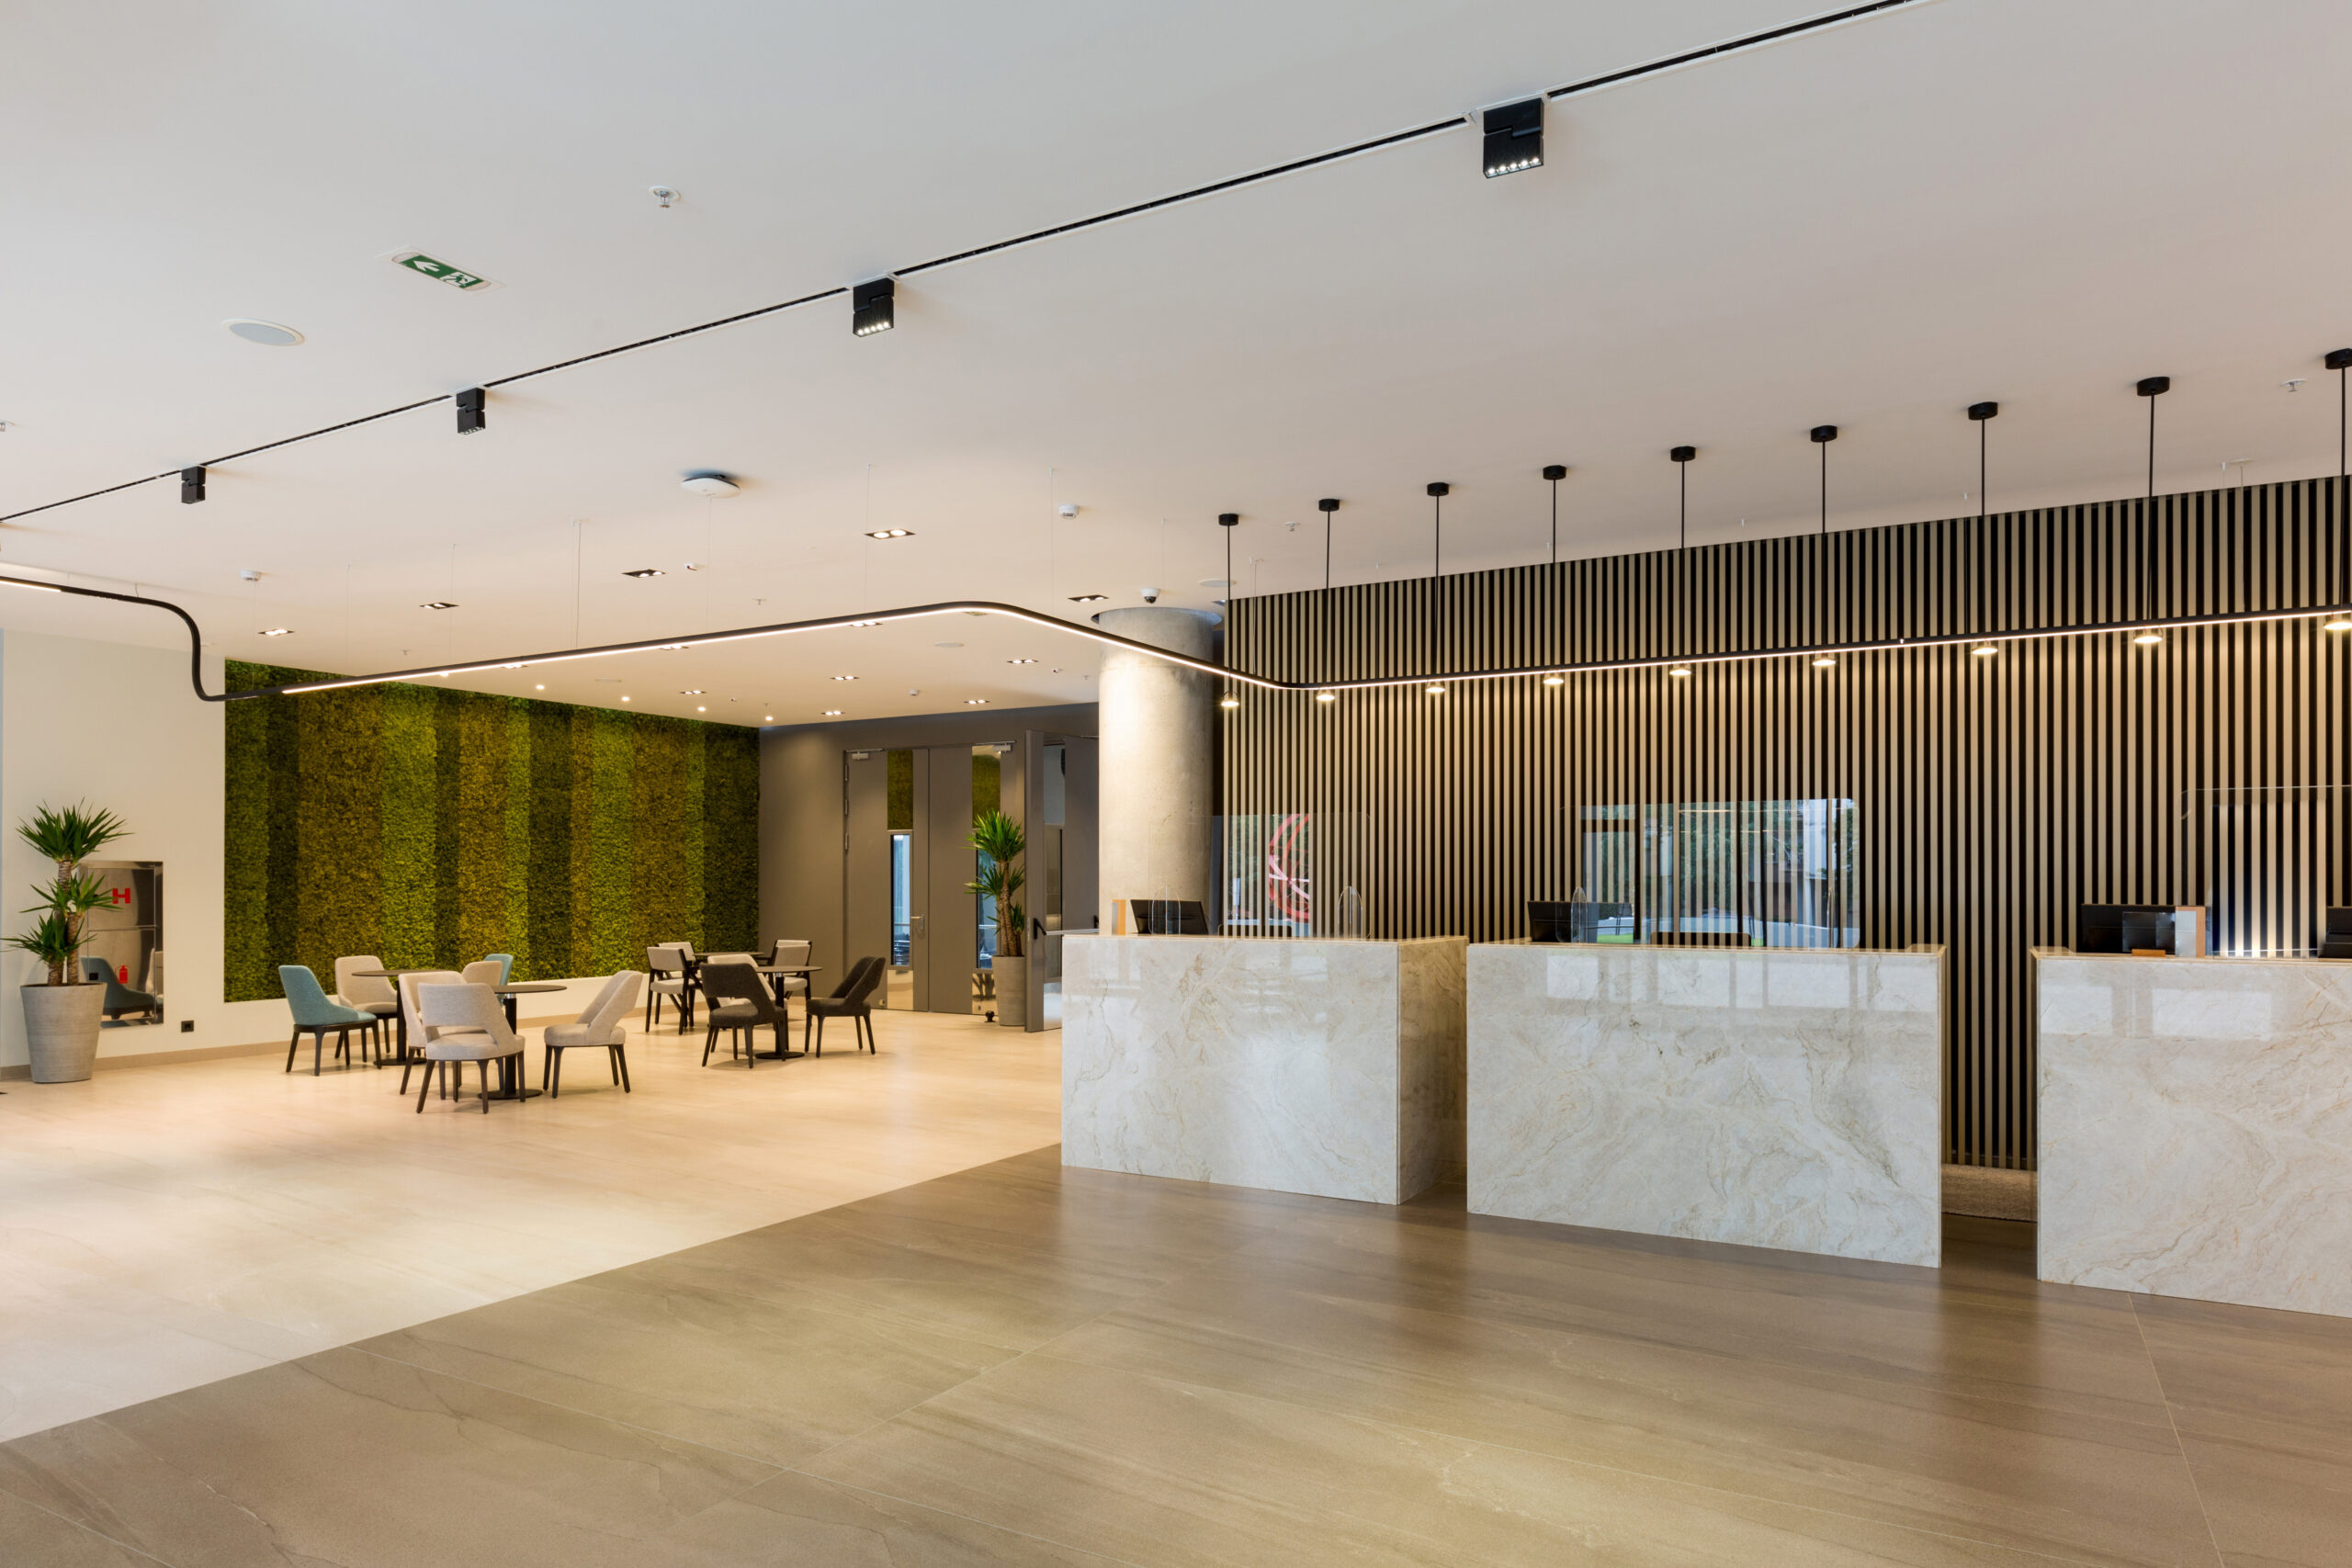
(315, 1012)
(505, 966)
(121, 998)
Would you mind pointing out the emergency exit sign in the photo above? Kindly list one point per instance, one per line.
(441, 271)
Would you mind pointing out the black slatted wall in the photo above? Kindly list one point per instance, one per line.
(1994, 794)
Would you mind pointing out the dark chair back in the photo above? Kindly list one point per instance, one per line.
(862, 980)
(725, 983)
(851, 981)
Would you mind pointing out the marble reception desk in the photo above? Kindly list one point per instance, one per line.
(2196, 1127)
(1787, 1097)
(1327, 1068)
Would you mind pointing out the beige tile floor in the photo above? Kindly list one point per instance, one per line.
(162, 1227)
(1020, 1364)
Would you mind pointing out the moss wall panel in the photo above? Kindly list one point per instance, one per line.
(428, 826)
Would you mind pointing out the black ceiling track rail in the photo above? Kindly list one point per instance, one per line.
(1197, 193)
(1111, 640)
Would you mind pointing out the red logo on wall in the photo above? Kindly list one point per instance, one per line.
(121, 894)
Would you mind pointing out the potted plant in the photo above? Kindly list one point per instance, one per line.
(1000, 841)
(61, 1012)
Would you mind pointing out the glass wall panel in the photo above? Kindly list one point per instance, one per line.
(1777, 872)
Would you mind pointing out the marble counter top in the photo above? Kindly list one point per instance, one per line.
(1329, 1067)
(2196, 1127)
(1772, 1097)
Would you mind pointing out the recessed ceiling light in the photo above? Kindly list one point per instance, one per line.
(539, 688)
(845, 677)
(270, 334)
(853, 625)
(890, 533)
(1088, 598)
(975, 702)
(624, 699)
(695, 693)
(436, 604)
(1020, 661)
(1214, 582)
(829, 713)
(700, 709)
(946, 645)
(710, 481)
(280, 631)
(645, 571)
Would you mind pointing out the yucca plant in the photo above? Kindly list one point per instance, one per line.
(67, 838)
(1000, 843)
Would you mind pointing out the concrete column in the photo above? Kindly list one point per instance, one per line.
(1158, 733)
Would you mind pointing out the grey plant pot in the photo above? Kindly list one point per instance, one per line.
(1012, 990)
(62, 1030)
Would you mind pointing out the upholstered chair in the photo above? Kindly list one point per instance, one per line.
(602, 1025)
(850, 999)
(787, 953)
(484, 972)
(740, 1004)
(368, 993)
(667, 967)
(313, 1011)
(119, 999)
(464, 1023)
(505, 961)
(417, 1033)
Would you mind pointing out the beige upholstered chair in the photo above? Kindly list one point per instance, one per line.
(466, 1023)
(368, 993)
(484, 972)
(788, 952)
(602, 1025)
(417, 1033)
(667, 967)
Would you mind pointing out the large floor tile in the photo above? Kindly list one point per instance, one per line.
(1159, 1473)
(39, 1539)
(1990, 1469)
(772, 1380)
(2271, 1503)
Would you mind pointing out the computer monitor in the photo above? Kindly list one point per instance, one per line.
(1571, 921)
(2123, 928)
(1170, 917)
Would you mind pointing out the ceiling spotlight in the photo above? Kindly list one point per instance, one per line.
(472, 417)
(975, 702)
(710, 481)
(699, 708)
(890, 534)
(1514, 137)
(845, 677)
(539, 688)
(191, 485)
(436, 604)
(1681, 670)
(2148, 639)
(1020, 661)
(1824, 663)
(1326, 696)
(1088, 598)
(767, 718)
(624, 699)
(280, 631)
(2339, 624)
(856, 624)
(645, 571)
(1434, 690)
(1983, 650)
(270, 334)
(695, 693)
(873, 307)
(1556, 679)
(1228, 702)
(829, 713)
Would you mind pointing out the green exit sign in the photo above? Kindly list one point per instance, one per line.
(441, 271)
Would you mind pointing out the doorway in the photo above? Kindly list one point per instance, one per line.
(907, 862)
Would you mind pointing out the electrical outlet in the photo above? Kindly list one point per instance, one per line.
(187, 1026)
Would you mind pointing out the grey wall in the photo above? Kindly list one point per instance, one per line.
(1994, 795)
(800, 807)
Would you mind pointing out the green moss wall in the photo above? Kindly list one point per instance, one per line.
(432, 827)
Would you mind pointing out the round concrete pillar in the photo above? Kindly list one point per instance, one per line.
(1157, 735)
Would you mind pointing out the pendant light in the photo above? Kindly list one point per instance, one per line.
(2338, 360)
(1983, 415)
(2151, 388)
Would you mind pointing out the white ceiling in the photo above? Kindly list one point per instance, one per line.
(1873, 226)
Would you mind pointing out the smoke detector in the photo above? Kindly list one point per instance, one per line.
(710, 481)
(1069, 508)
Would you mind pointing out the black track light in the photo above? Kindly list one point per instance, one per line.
(1823, 433)
(1555, 472)
(472, 415)
(2153, 386)
(1983, 410)
(191, 486)
(873, 307)
(1514, 139)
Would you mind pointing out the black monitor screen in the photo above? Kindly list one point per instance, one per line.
(2120, 927)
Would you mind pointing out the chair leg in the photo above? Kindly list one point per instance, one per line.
(484, 1068)
(424, 1087)
(613, 1062)
(711, 1043)
(293, 1045)
(317, 1047)
(620, 1056)
(553, 1072)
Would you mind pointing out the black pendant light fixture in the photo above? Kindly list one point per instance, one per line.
(1981, 413)
(2339, 360)
(1682, 455)
(1438, 490)
(1327, 506)
(1822, 435)
(1555, 472)
(2151, 388)
(1229, 522)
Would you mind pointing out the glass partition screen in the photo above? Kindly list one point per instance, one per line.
(1779, 873)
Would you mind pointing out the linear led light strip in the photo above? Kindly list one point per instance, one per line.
(1110, 639)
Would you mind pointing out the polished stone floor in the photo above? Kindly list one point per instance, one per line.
(1023, 1364)
(164, 1227)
